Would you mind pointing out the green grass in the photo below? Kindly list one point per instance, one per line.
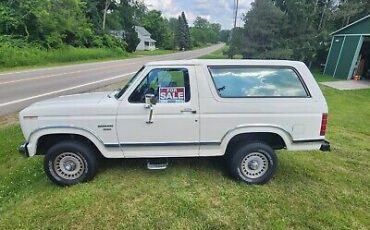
(151, 53)
(312, 189)
(219, 54)
(323, 78)
(17, 58)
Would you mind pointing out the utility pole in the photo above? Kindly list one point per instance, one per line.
(236, 12)
(235, 15)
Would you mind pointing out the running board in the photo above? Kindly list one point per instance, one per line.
(157, 163)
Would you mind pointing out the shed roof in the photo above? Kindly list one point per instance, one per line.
(361, 26)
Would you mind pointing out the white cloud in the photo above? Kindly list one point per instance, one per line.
(220, 11)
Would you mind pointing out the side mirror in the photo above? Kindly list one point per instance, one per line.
(150, 100)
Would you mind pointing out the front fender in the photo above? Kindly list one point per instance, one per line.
(38, 133)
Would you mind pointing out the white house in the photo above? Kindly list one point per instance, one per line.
(146, 42)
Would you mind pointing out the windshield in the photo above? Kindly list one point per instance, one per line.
(129, 83)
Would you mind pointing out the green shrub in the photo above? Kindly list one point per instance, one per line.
(54, 40)
(11, 56)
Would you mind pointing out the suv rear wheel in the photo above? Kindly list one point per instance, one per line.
(70, 162)
(253, 163)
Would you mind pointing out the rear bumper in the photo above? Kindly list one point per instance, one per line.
(23, 149)
(325, 146)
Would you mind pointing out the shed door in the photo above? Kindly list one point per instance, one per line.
(349, 55)
(334, 55)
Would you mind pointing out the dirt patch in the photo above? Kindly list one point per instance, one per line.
(9, 119)
(348, 84)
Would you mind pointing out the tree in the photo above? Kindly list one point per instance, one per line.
(173, 23)
(307, 27)
(263, 37)
(224, 35)
(23, 18)
(33, 20)
(204, 32)
(351, 10)
(186, 31)
(88, 23)
(182, 34)
(201, 23)
(68, 26)
(215, 29)
(173, 26)
(158, 26)
(236, 44)
(124, 16)
(132, 39)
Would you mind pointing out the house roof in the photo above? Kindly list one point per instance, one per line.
(141, 30)
(351, 25)
(148, 39)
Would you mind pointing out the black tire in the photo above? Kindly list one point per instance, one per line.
(254, 163)
(80, 163)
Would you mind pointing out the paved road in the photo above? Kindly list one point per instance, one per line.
(20, 89)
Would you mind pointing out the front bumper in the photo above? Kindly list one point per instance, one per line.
(23, 149)
(325, 146)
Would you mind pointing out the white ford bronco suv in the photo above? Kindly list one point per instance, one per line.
(241, 109)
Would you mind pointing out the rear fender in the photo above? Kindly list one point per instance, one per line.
(287, 138)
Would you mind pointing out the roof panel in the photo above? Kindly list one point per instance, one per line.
(141, 30)
(361, 26)
(226, 62)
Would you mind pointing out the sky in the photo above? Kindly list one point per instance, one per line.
(216, 11)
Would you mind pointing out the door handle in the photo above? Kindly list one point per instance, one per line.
(189, 110)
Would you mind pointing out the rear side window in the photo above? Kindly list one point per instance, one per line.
(239, 82)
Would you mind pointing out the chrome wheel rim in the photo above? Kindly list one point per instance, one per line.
(69, 166)
(254, 165)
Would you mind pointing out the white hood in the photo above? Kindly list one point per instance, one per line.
(76, 104)
(75, 99)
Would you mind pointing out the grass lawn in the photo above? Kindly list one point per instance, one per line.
(68, 56)
(323, 78)
(311, 189)
(219, 54)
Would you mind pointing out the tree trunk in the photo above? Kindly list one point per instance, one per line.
(348, 20)
(26, 30)
(322, 19)
(315, 9)
(106, 6)
(310, 64)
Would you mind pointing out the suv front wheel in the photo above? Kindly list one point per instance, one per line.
(70, 162)
(253, 163)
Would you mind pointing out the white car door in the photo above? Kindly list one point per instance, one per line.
(175, 127)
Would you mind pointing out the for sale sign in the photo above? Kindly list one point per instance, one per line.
(171, 94)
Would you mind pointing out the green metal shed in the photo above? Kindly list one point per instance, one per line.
(349, 51)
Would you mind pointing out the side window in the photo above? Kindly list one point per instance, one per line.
(169, 85)
(239, 82)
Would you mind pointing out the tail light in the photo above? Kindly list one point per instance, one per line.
(324, 124)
